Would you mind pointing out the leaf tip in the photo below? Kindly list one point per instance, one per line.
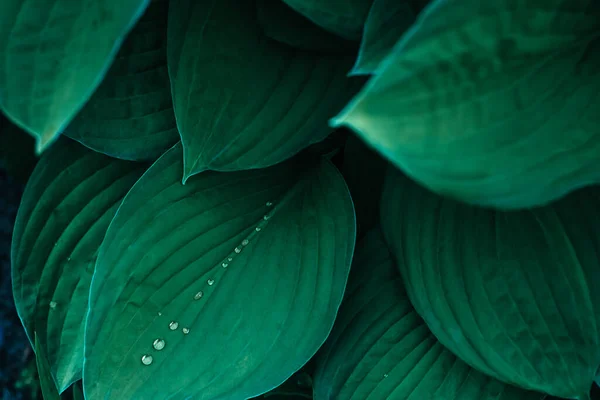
(44, 141)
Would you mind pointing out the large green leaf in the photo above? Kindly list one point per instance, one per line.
(47, 385)
(380, 349)
(53, 55)
(240, 274)
(131, 116)
(242, 100)
(342, 17)
(515, 294)
(68, 203)
(280, 22)
(492, 102)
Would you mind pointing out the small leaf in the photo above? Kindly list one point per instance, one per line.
(493, 103)
(47, 384)
(240, 274)
(344, 18)
(67, 205)
(280, 22)
(53, 55)
(381, 349)
(131, 115)
(514, 294)
(242, 100)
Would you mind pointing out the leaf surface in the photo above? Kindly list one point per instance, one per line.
(240, 274)
(47, 385)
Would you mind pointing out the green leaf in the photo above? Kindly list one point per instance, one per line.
(78, 391)
(47, 385)
(131, 115)
(387, 21)
(281, 23)
(342, 17)
(252, 263)
(68, 203)
(242, 100)
(514, 294)
(54, 53)
(493, 103)
(381, 349)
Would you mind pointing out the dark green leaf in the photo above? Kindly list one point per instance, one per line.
(515, 294)
(53, 55)
(242, 100)
(380, 349)
(493, 103)
(131, 116)
(342, 17)
(253, 263)
(46, 382)
(68, 203)
(78, 391)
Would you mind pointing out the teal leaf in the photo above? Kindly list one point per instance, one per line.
(381, 349)
(54, 53)
(240, 274)
(47, 385)
(67, 205)
(242, 100)
(493, 103)
(514, 294)
(130, 116)
(342, 17)
(281, 23)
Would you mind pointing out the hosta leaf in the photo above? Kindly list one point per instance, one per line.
(68, 203)
(54, 53)
(380, 349)
(386, 23)
(240, 274)
(131, 116)
(515, 294)
(493, 103)
(281, 23)
(78, 391)
(47, 385)
(242, 100)
(342, 17)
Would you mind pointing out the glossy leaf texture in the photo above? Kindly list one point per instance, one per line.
(380, 349)
(54, 54)
(386, 22)
(242, 100)
(514, 294)
(66, 208)
(342, 17)
(130, 116)
(240, 274)
(47, 384)
(282, 23)
(493, 103)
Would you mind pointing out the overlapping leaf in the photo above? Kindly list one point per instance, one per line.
(131, 116)
(493, 103)
(342, 17)
(240, 274)
(47, 385)
(68, 203)
(515, 294)
(380, 349)
(53, 55)
(242, 100)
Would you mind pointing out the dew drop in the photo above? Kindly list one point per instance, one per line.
(158, 344)
(52, 305)
(210, 282)
(257, 229)
(269, 204)
(147, 359)
(173, 325)
(68, 258)
(159, 313)
(238, 250)
(224, 265)
(198, 295)
(385, 375)
(185, 331)
(230, 259)
(245, 242)
(266, 217)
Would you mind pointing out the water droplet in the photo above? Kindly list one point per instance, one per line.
(68, 258)
(198, 295)
(158, 344)
(52, 305)
(147, 359)
(266, 217)
(173, 325)
(210, 282)
(229, 258)
(185, 331)
(245, 242)
(238, 250)
(385, 375)
(257, 229)
(224, 265)
(269, 204)
(159, 313)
